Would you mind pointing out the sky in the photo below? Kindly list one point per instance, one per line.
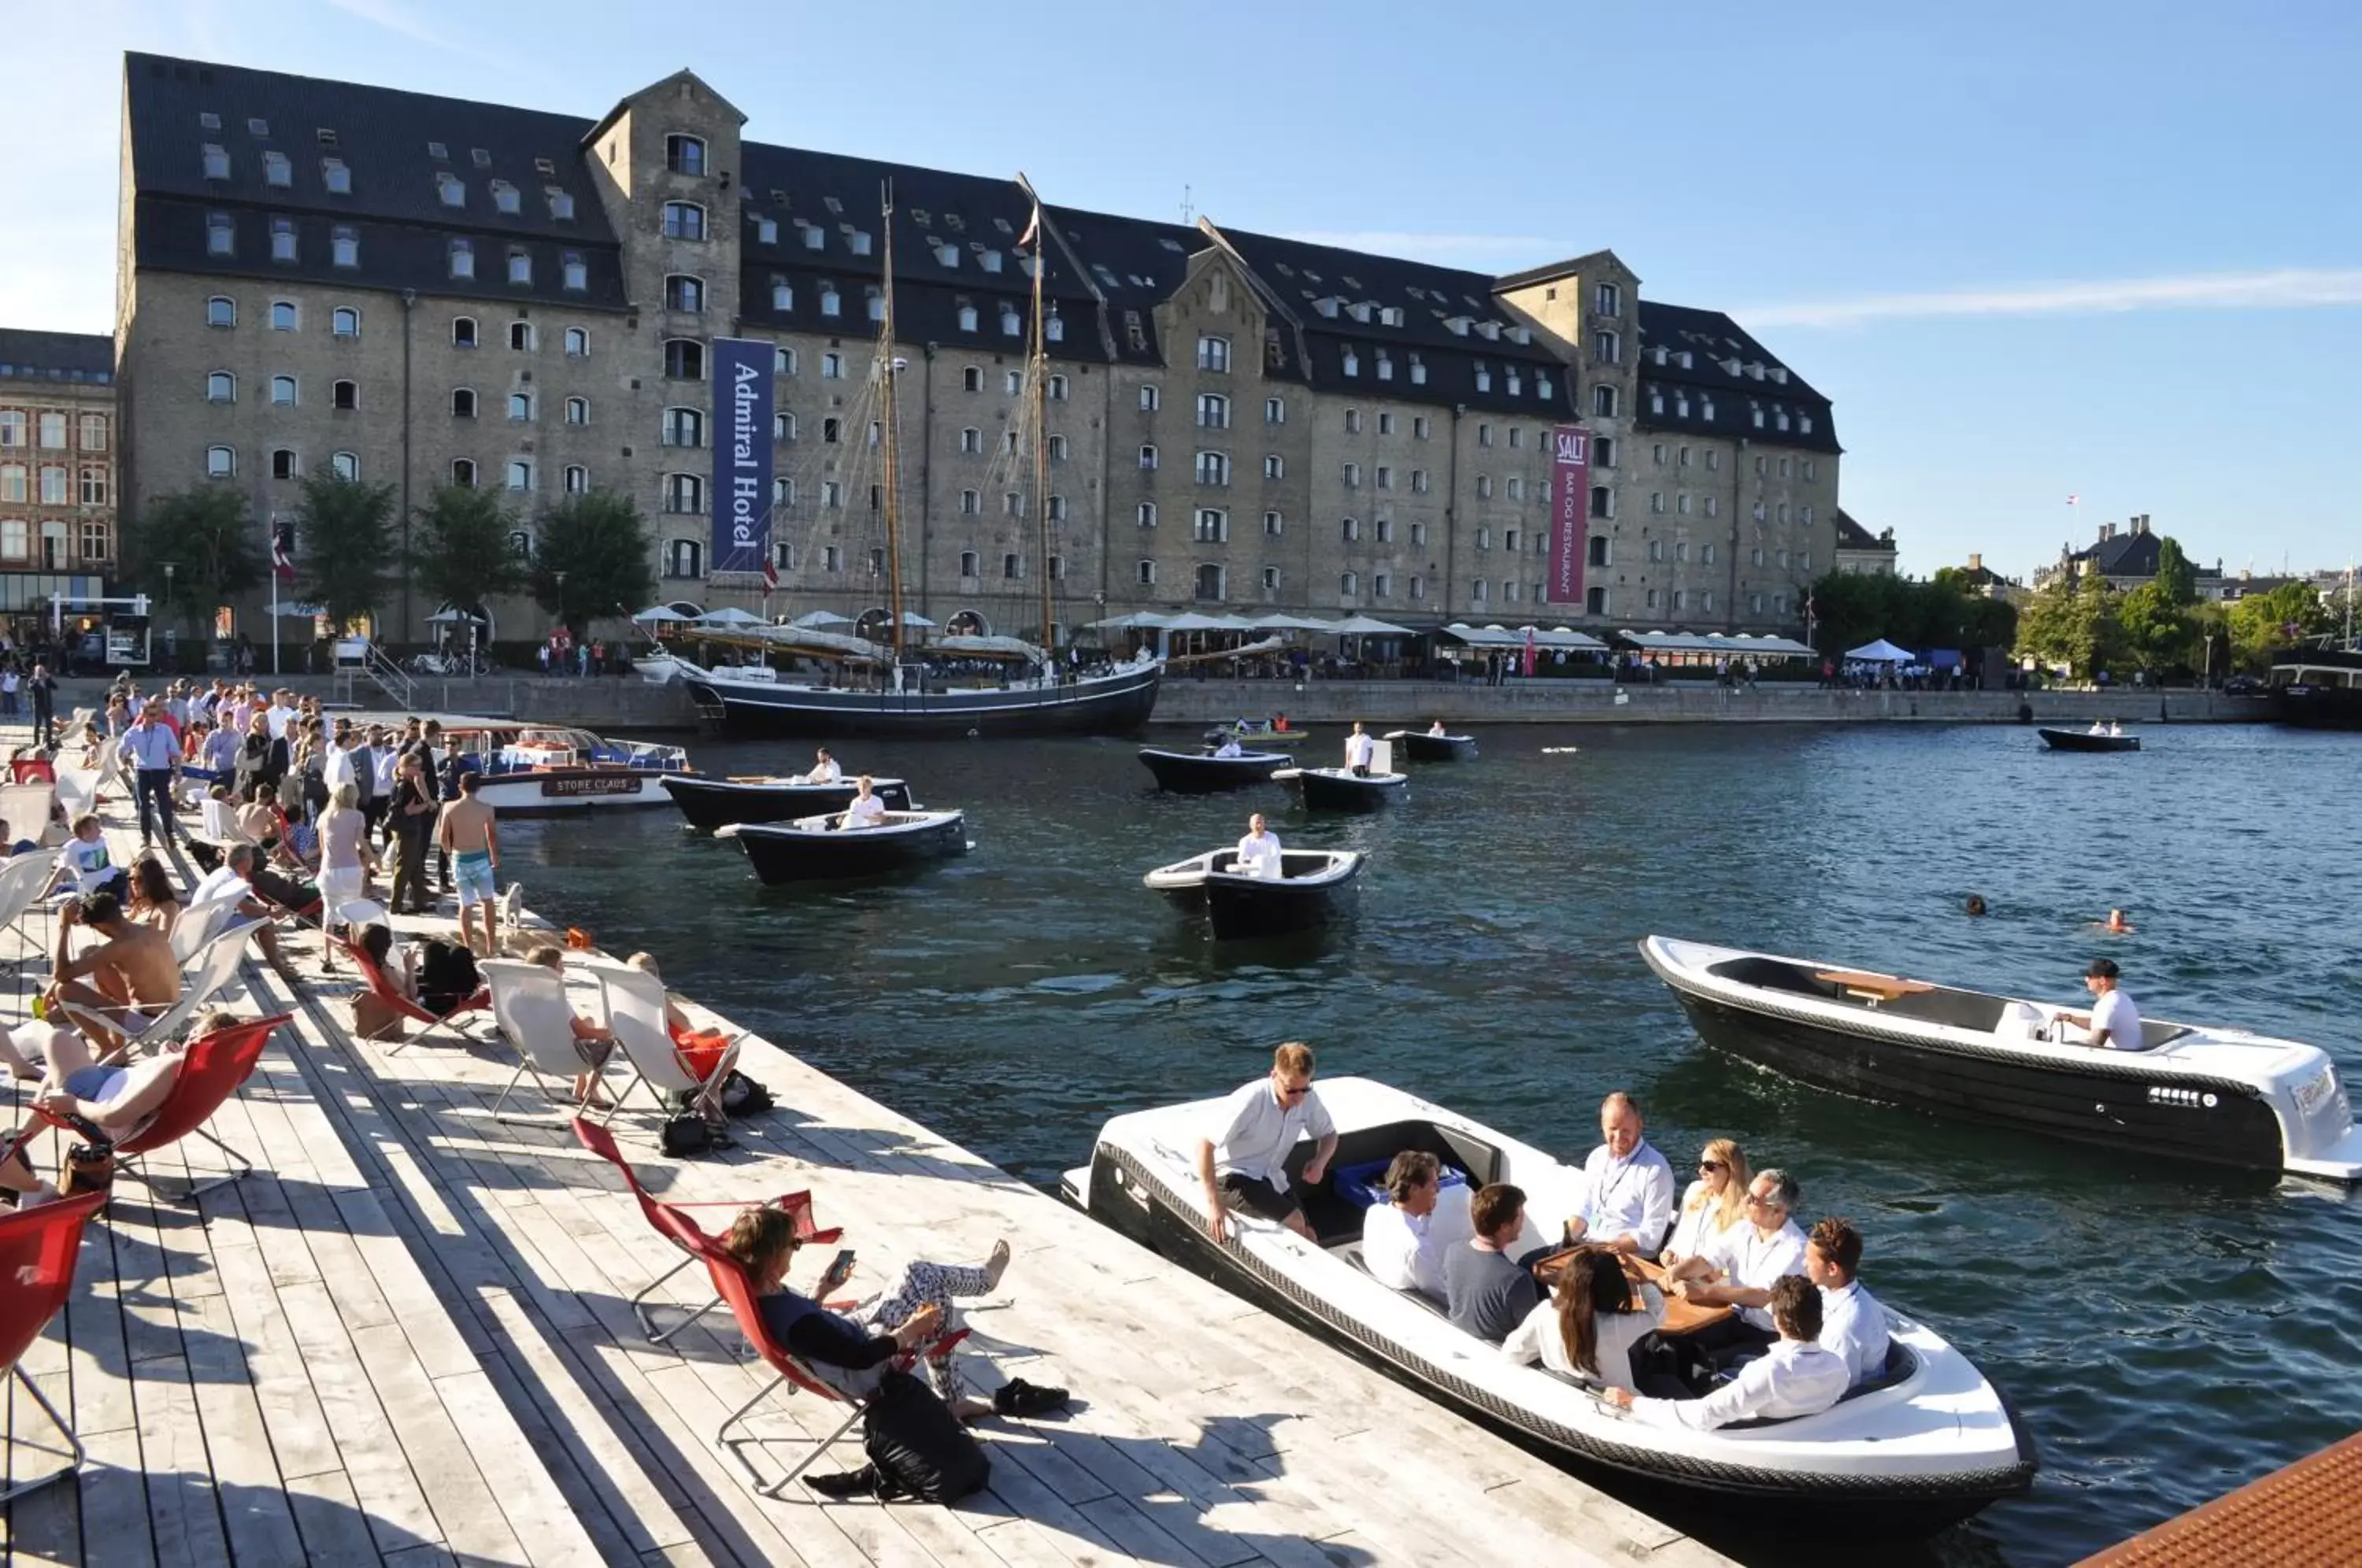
(2096, 248)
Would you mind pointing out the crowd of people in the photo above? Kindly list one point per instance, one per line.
(1780, 1326)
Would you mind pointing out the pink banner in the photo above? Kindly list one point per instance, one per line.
(1570, 502)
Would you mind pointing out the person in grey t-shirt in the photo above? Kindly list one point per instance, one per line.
(1486, 1291)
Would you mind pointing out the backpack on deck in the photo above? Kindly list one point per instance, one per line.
(447, 976)
(918, 1445)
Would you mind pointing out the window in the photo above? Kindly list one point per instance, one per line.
(345, 396)
(1013, 382)
(1058, 448)
(1483, 376)
(1607, 299)
(1602, 501)
(1150, 400)
(686, 557)
(220, 387)
(1484, 487)
(1011, 324)
(1755, 555)
(450, 189)
(1418, 535)
(1347, 584)
(684, 493)
(53, 487)
(221, 235)
(94, 487)
(832, 431)
(345, 466)
(1508, 538)
(1057, 389)
(971, 440)
(1213, 468)
(463, 473)
(971, 378)
(1057, 508)
(1214, 411)
(1808, 467)
(1144, 574)
(684, 359)
(1713, 505)
(1705, 557)
(221, 311)
(12, 480)
(1350, 530)
(94, 434)
(831, 367)
(1147, 455)
(463, 332)
(970, 563)
(1783, 468)
(1606, 348)
(284, 317)
(282, 392)
(685, 154)
(1515, 488)
(577, 411)
(783, 361)
(216, 161)
(1273, 525)
(1352, 475)
(971, 506)
(577, 479)
(1603, 401)
(1212, 526)
(1209, 582)
(683, 427)
(682, 292)
(1147, 514)
(284, 465)
(1271, 579)
(684, 220)
(1603, 451)
(1476, 591)
(1213, 353)
(463, 403)
(1275, 411)
(1418, 482)
(463, 258)
(783, 494)
(1483, 538)
(1273, 466)
(1594, 601)
(1656, 550)
(966, 316)
(520, 337)
(1352, 422)
(1012, 566)
(97, 541)
(520, 265)
(1682, 503)
(521, 474)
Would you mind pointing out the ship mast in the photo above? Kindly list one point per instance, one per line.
(891, 465)
(1036, 381)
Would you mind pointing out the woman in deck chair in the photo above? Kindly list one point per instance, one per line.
(116, 1100)
(853, 1357)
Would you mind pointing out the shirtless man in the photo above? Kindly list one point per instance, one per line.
(467, 833)
(133, 978)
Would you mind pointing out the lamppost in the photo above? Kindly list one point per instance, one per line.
(170, 567)
(561, 616)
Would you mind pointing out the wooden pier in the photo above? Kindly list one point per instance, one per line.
(406, 1338)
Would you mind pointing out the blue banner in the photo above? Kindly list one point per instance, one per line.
(741, 454)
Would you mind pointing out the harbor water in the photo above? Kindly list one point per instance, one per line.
(2168, 1331)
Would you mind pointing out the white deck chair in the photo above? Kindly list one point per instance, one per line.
(635, 1011)
(530, 1006)
(199, 923)
(202, 978)
(24, 882)
(77, 792)
(26, 809)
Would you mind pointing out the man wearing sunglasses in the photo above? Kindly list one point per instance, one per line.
(1627, 1202)
(1739, 1268)
(1246, 1167)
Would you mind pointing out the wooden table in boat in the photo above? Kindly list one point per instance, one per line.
(1871, 988)
(1681, 1317)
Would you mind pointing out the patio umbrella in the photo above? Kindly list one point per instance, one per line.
(1367, 626)
(653, 613)
(733, 616)
(820, 618)
(447, 616)
(1137, 621)
(1290, 624)
(1190, 621)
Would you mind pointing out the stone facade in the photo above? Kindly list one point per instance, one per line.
(58, 447)
(1235, 422)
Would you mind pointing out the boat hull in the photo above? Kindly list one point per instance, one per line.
(1106, 705)
(564, 792)
(2082, 740)
(2188, 1115)
(2314, 706)
(1435, 748)
(1322, 790)
(710, 804)
(782, 855)
(1318, 888)
(1185, 773)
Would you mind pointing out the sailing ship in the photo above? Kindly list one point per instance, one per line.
(887, 687)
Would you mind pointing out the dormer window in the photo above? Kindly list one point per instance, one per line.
(783, 295)
(1326, 305)
(282, 240)
(221, 235)
(1385, 366)
(876, 304)
(573, 274)
(336, 177)
(463, 258)
(1418, 371)
(506, 198)
(437, 151)
(451, 189)
(209, 121)
(685, 154)
(947, 253)
(521, 267)
(258, 127)
(829, 305)
(1517, 387)
(277, 171)
(815, 237)
(766, 231)
(561, 203)
(1456, 324)
(1484, 377)
(858, 242)
(1489, 330)
(966, 316)
(989, 260)
(345, 246)
(216, 161)
(1054, 329)
(1010, 323)
(1390, 315)
(1779, 374)
(1359, 310)
(1350, 363)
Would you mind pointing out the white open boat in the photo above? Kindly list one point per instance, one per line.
(1931, 1444)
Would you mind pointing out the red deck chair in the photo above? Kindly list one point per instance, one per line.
(216, 1064)
(37, 1249)
(382, 986)
(799, 1377)
(671, 1221)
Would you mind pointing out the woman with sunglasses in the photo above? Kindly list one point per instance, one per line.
(1714, 1203)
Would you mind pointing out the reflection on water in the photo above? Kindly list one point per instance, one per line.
(2168, 1331)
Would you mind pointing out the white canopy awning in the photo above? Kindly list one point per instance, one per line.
(1719, 643)
(1278, 623)
(1496, 636)
(1880, 652)
(1368, 626)
(821, 618)
(1137, 621)
(653, 613)
(733, 616)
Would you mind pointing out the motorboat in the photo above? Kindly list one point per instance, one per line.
(1426, 746)
(1203, 773)
(1929, 1442)
(710, 803)
(2089, 740)
(1113, 702)
(541, 770)
(1255, 732)
(1342, 789)
(2201, 1092)
(1313, 888)
(2318, 685)
(816, 849)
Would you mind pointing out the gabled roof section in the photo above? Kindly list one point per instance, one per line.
(384, 137)
(1737, 374)
(2132, 553)
(651, 92)
(85, 357)
(1852, 536)
(1351, 293)
(1573, 266)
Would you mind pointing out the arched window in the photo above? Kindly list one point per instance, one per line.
(221, 311)
(684, 557)
(463, 258)
(343, 321)
(830, 303)
(463, 403)
(1347, 584)
(282, 392)
(684, 493)
(969, 564)
(520, 337)
(783, 425)
(1603, 401)
(344, 396)
(578, 343)
(284, 464)
(685, 154)
(463, 473)
(221, 462)
(683, 292)
(971, 439)
(783, 295)
(577, 411)
(220, 387)
(971, 503)
(684, 427)
(520, 265)
(463, 332)
(1209, 582)
(521, 474)
(520, 406)
(684, 359)
(347, 465)
(966, 316)
(1148, 514)
(284, 316)
(573, 275)
(577, 479)
(684, 220)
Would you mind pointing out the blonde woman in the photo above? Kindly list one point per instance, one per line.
(346, 860)
(1714, 1203)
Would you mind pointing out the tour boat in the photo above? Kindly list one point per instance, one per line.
(2200, 1092)
(2318, 686)
(816, 849)
(1313, 888)
(712, 803)
(2089, 740)
(1929, 1442)
(1203, 773)
(1425, 745)
(1114, 702)
(1342, 790)
(538, 771)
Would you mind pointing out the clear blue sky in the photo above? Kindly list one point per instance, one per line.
(2097, 247)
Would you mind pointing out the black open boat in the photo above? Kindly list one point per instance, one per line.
(2088, 740)
(1422, 745)
(710, 803)
(816, 849)
(1314, 887)
(1341, 789)
(1202, 773)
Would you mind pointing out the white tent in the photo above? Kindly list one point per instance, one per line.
(653, 613)
(733, 616)
(820, 620)
(1880, 652)
(1368, 626)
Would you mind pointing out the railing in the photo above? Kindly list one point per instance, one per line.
(400, 689)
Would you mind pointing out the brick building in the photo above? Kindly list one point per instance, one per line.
(57, 466)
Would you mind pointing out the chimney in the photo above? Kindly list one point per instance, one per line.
(2140, 524)
(1976, 561)
(2107, 532)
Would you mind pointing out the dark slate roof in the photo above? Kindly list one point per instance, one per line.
(1136, 264)
(86, 357)
(382, 136)
(2129, 554)
(1715, 343)
(1852, 536)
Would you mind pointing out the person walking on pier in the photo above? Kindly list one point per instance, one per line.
(43, 688)
(469, 835)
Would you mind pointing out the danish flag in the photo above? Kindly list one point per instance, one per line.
(770, 575)
(282, 550)
(1031, 229)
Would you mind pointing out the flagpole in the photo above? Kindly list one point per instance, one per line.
(274, 602)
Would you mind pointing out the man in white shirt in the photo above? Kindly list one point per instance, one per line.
(2113, 1023)
(1741, 1267)
(1797, 1377)
(1404, 1239)
(281, 713)
(1853, 1325)
(1627, 1200)
(1245, 1167)
(1359, 750)
(824, 770)
(151, 751)
(1259, 851)
(1230, 747)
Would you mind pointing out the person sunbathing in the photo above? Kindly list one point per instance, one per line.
(593, 1043)
(114, 1100)
(129, 980)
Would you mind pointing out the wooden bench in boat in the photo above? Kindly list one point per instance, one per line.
(1871, 988)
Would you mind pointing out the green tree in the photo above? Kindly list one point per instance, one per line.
(2073, 623)
(2267, 621)
(600, 544)
(462, 548)
(346, 548)
(209, 538)
(1856, 608)
(2156, 633)
(2176, 580)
